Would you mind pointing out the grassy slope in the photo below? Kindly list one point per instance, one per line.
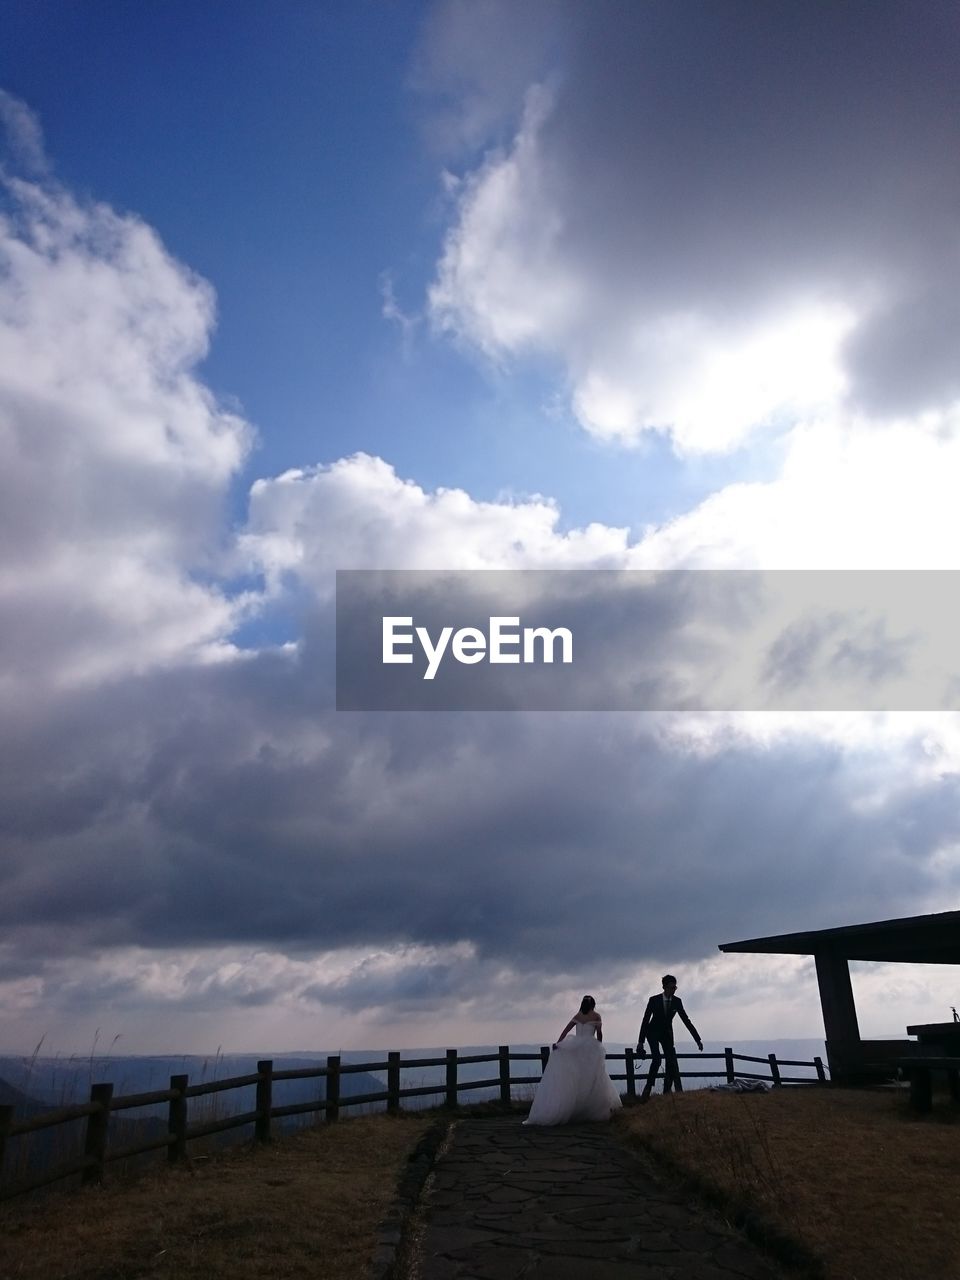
(853, 1175)
(306, 1206)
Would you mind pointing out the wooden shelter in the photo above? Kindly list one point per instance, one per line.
(930, 939)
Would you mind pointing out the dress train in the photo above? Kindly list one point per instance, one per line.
(575, 1084)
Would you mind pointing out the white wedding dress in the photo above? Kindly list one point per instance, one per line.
(575, 1085)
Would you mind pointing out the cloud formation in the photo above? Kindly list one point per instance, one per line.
(116, 459)
(715, 222)
(190, 825)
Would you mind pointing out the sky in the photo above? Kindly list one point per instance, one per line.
(287, 289)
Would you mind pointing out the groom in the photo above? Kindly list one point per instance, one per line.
(657, 1028)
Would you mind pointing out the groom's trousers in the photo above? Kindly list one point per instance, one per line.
(660, 1051)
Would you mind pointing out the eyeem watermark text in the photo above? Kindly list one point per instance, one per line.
(670, 640)
(504, 642)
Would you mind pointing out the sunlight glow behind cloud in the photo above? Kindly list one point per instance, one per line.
(660, 239)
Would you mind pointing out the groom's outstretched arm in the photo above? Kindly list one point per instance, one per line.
(689, 1025)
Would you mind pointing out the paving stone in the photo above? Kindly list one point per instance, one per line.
(601, 1208)
(658, 1242)
(584, 1248)
(499, 1263)
(704, 1269)
(451, 1241)
(663, 1258)
(698, 1240)
(439, 1269)
(501, 1195)
(738, 1260)
(599, 1269)
(566, 1203)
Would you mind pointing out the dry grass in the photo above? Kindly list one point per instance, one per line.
(854, 1175)
(306, 1206)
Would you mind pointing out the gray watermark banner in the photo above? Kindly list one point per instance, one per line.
(671, 640)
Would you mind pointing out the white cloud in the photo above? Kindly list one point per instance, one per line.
(501, 282)
(24, 135)
(358, 513)
(211, 835)
(850, 494)
(507, 284)
(114, 458)
(708, 389)
(706, 246)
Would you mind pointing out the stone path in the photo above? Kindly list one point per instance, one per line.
(567, 1203)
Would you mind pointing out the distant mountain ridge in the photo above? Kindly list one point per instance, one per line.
(56, 1082)
(22, 1103)
(34, 1084)
(44, 1083)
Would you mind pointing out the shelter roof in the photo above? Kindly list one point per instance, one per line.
(929, 939)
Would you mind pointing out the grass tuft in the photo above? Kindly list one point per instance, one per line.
(307, 1205)
(847, 1183)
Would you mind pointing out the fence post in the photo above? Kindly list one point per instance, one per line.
(332, 1110)
(628, 1056)
(544, 1057)
(452, 1064)
(6, 1120)
(177, 1120)
(774, 1070)
(921, 1088)
(264, 1100)
(821, 1074)
(505, 1074)
(393, 1082)
(95, 1141)
(728, 1058)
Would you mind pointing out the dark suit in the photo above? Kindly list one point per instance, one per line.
(657, 1029)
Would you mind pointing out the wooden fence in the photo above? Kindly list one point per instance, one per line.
(97, 1151)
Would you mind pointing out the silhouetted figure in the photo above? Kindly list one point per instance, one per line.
(575, 1084)
(657, 1029)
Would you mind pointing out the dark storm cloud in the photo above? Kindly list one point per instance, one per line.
(474, 81)
(230, 807)
(618, 640)
(747, 141)
(863, 652)
(160, 791)
(726, 161)
(424, 984)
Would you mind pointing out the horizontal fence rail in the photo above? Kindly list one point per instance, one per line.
(96, 1112)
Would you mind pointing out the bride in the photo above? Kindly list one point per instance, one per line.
(575, 1084)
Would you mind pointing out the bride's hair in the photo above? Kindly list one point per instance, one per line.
(587, 1004)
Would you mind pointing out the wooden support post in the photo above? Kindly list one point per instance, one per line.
(393, 1082)
(264, 1100)
(821, 1073)
(505, 1074)
(953, 1081)
(95, 1140)
(453, 1063)
(6, 1120)
(332, 1112)
(628, 1057)
(774, 1070)
(842, 1031)
(544, 1057)
(177, 1120)
(921, 1088)
(728, 1059)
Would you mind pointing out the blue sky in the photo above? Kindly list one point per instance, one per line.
(287, 288)
(284, 153)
